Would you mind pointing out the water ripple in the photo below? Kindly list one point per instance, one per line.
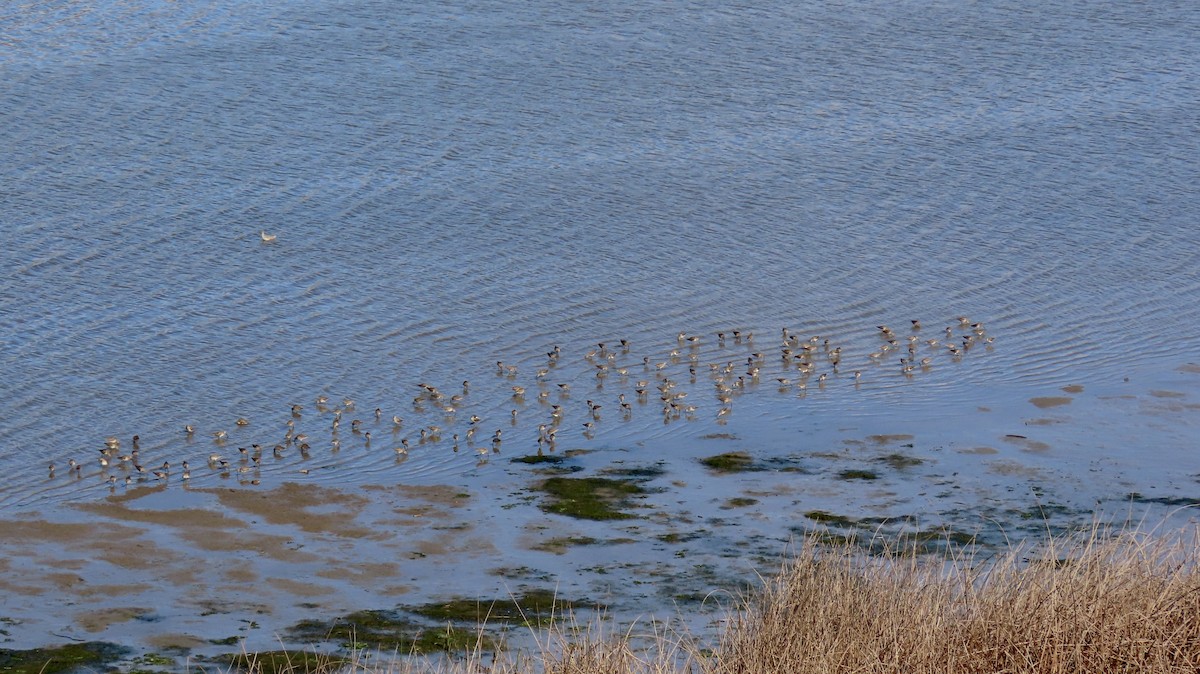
(441, 205)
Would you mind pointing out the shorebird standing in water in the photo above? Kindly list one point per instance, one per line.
(267, 238)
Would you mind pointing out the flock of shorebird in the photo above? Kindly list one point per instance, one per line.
(730, 362)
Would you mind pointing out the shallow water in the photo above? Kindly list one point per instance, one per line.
(453, 186)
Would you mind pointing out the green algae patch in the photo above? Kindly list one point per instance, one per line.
(935, 540)
(534, 607)
(1042, 512)
(783, 464)
(832, 539)
(834, 520)
(548, 464)
(154, 660)
(1174, 501)
(535, 459)
(900, 461)
(636, 472)
(875, 542)
(589, 498)
(677, 537)
(858, 475)
(740, 502)
(560, 545)
(70, 657)
(729, 462)
(524, 573)
(278, 662)
(831, 519)
(389, 631)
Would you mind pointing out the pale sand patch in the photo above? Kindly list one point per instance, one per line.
(39, 531)
(102, 619)
(86, 590)
(780, 489)
(1011, 468)
(65, 564)
(181, 575)
(1044, 421)
(1026, 444)
(532, 536)
(415, 515)
(446, 495)
(457, 545)
(1191, 368)
(281, 548)
(185, 642)
(141, 555)
(311, 508)
(298, 588)
(183, 517)
(1160, 409)
(362, 572)
(240, 574)
(1168, 394)
(885, 439)
(208, 606)
(63, 582)
(979, 450)
(17, 588)
(828, 490)
(1072, 388)
(1050, 401)
(136, 491)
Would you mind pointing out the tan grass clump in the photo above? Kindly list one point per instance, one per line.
(1123, 603)
(1106, 603)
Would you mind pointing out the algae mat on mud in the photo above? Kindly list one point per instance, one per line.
(591, 498)
(60, 658)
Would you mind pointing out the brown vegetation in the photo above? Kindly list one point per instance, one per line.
(1125, 603)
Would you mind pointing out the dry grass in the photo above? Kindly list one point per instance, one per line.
(1125, 603)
